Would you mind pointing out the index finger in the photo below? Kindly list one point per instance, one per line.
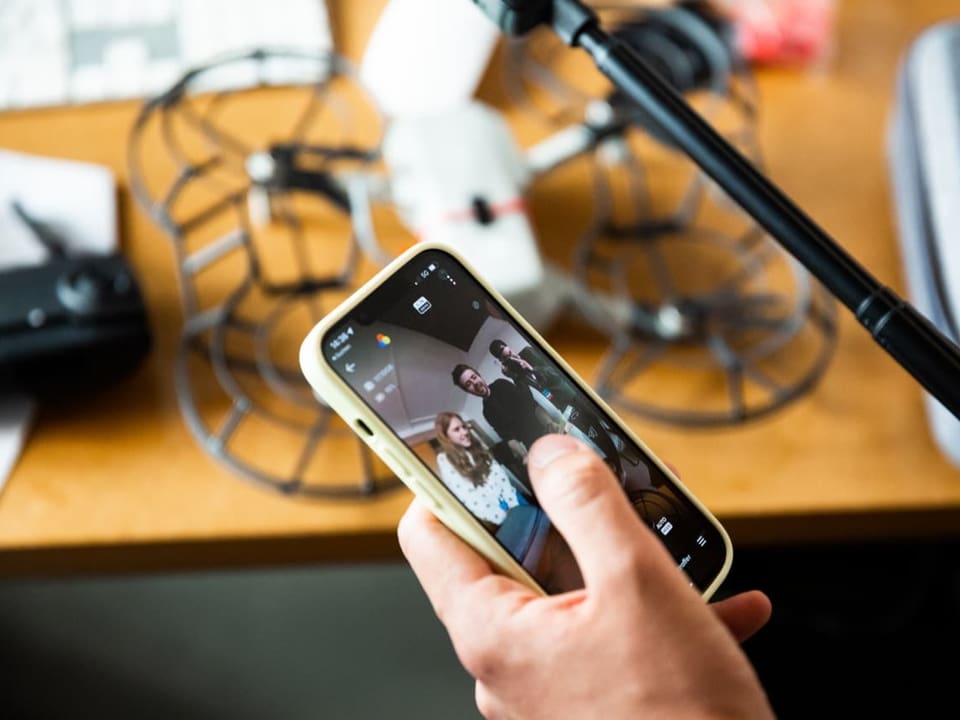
(452, 574)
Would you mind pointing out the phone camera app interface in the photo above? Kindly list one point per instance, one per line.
(469, 392)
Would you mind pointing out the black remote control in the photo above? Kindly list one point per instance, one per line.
(74, 323)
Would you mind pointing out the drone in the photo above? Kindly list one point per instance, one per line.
(271, 227)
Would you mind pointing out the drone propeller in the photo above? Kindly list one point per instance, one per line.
(260, 260)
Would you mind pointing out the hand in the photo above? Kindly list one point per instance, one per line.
(637, 641)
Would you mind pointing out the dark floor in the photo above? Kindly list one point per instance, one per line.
(856, 632)
(331, 643)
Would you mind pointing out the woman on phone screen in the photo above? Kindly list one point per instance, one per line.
(479, 481)
(487, 489)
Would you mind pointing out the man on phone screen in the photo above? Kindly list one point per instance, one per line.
(509, 408)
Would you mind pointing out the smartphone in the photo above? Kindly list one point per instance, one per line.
(450, 386)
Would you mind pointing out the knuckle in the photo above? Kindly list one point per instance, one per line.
(408, 529)
(405, 532)
(479, 656)
(478, 627)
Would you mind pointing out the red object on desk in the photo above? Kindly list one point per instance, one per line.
(782, 31)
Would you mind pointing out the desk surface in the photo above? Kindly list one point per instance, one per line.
(120, 484)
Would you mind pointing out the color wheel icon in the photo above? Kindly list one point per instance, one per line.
(383, 340)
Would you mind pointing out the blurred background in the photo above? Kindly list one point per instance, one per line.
(186, 187)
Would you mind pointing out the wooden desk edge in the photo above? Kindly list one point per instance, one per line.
(225, 554)
(220, 553)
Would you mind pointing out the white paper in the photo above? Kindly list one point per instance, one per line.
(15, 415)
(77, 199)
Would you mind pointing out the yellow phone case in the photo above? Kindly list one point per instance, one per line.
(335, 392)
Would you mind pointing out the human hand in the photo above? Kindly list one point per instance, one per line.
(637, 641)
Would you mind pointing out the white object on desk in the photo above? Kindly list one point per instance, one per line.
(79, 200)
(427, 56)
(924, 154)
(441, 167)
(57, 52)
(16, 414)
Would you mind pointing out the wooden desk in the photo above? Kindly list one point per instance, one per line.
(120, 485)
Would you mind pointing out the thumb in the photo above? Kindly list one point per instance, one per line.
(584, 500)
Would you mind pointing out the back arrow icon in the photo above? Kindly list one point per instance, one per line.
(350, 367)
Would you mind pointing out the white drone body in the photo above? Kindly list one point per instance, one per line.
(455, 170)
(458, 178)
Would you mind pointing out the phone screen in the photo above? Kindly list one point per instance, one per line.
(441, 362)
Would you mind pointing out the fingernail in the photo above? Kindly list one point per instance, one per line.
(549, 448)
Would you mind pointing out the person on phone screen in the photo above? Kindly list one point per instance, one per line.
(635, 641)
(510, 409)
(489, 492)
(482, 484)
(517, 412)
(531, 368)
